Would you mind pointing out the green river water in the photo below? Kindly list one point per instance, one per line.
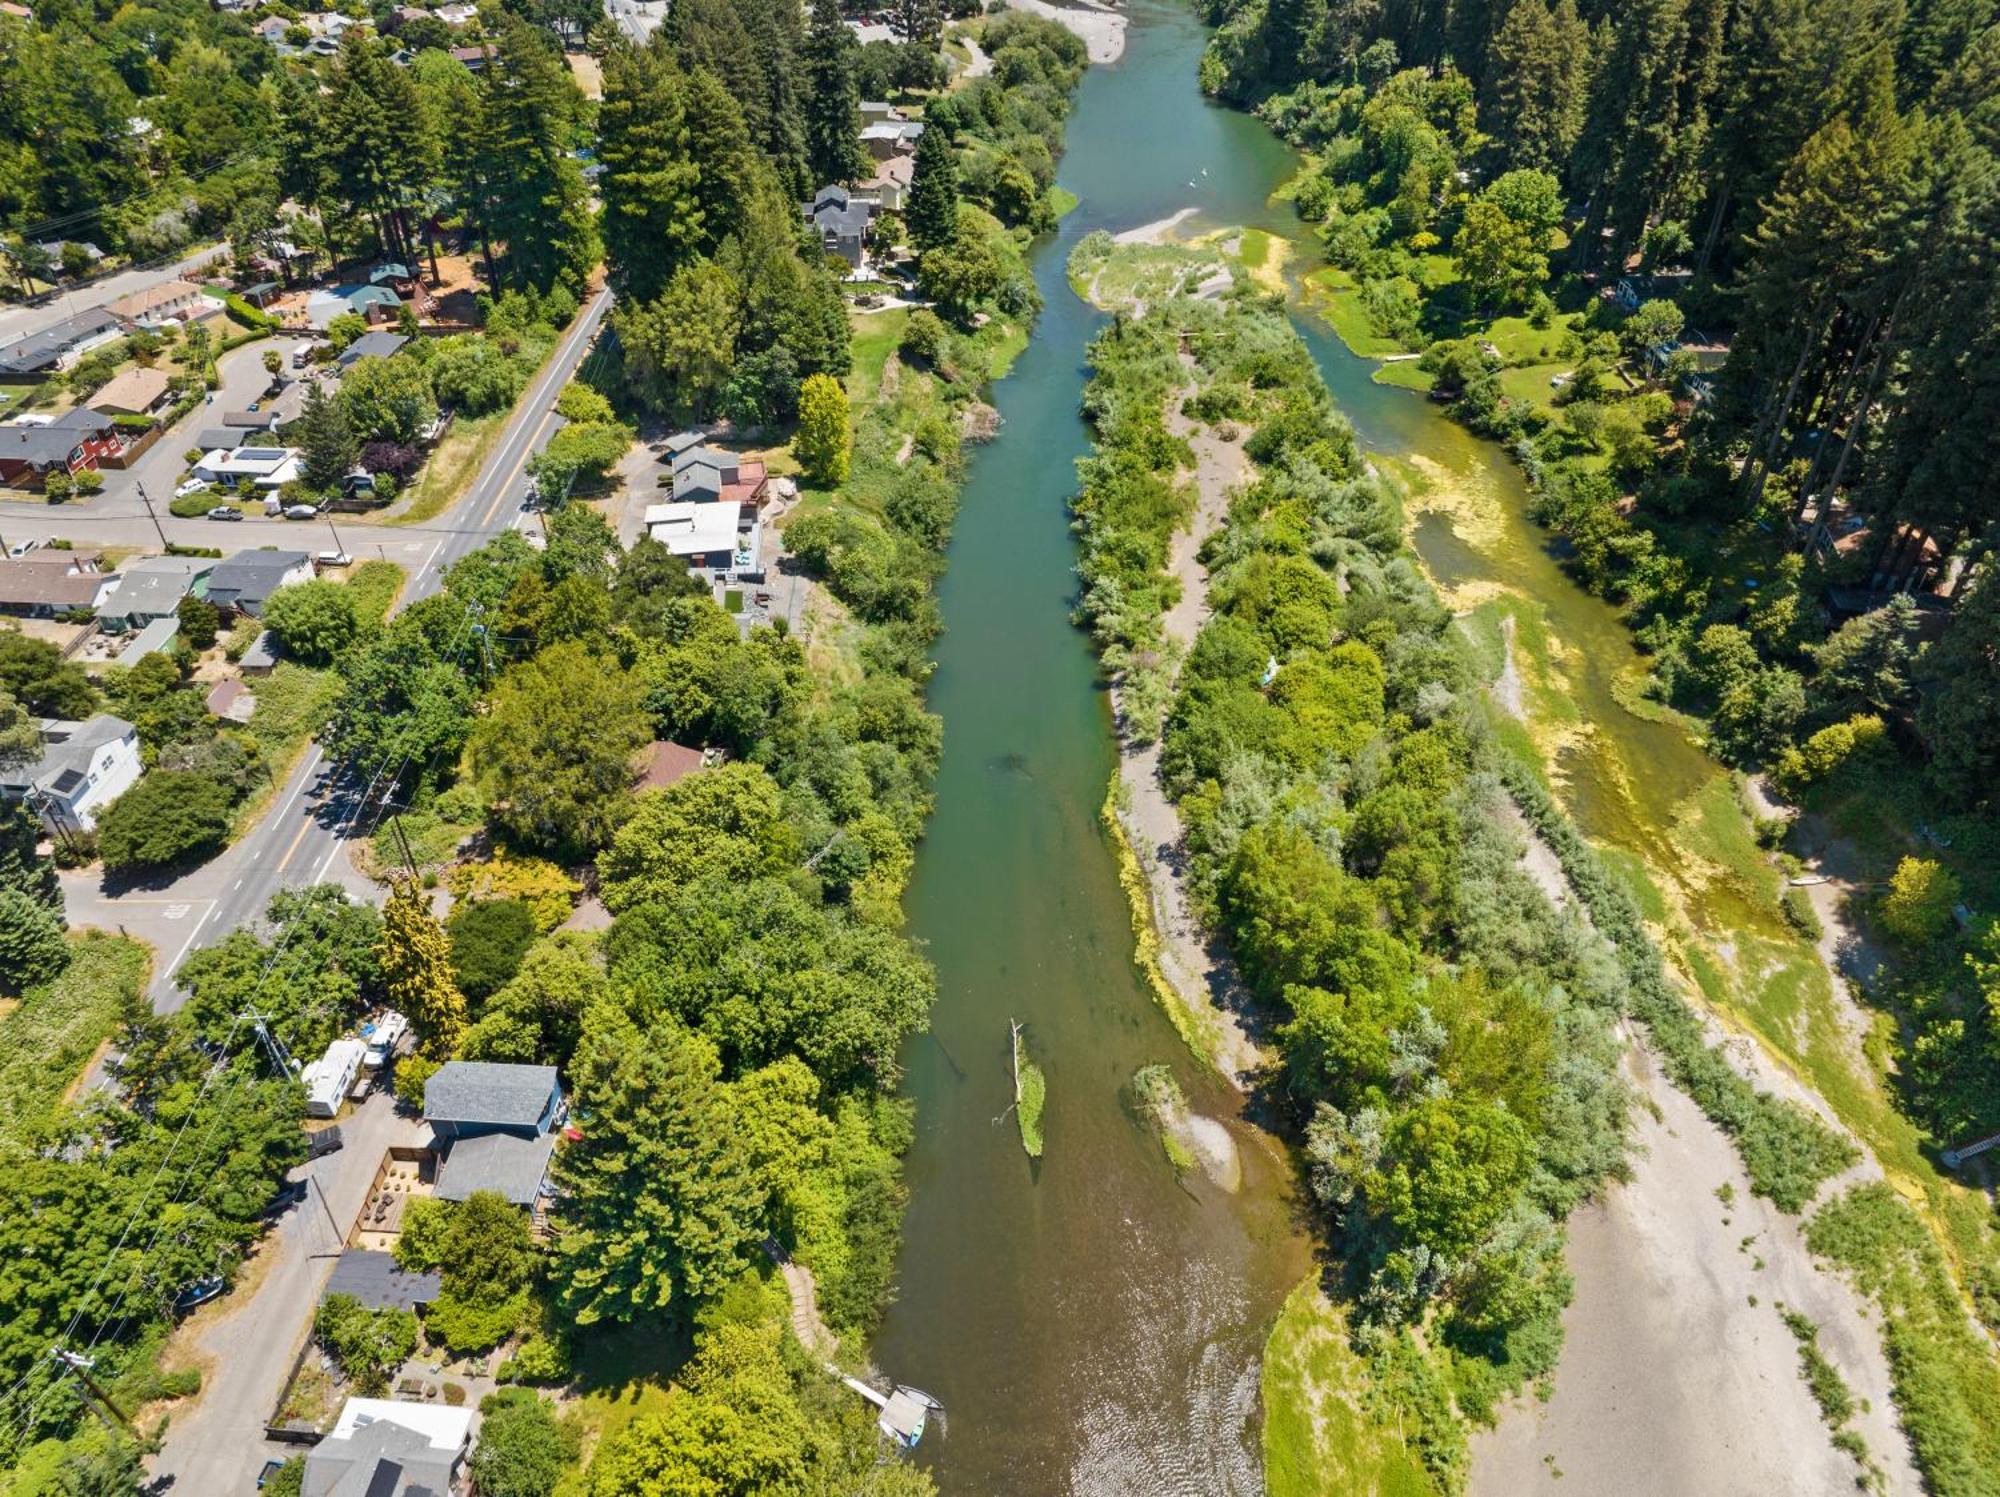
(1092, 1324)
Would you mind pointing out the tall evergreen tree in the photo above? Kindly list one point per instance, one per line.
(661, 1205)
(534, 197)
(652, 215)
(415, 956)
(932, 209)
(832, 98)
(21, 867)
(326, 440)
(1536, 83)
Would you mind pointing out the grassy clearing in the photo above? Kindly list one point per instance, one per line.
(1332, 295)
(1112, 276)
(47, 1040)
(1165, 1105)
(452, 467)
(876, 335)
(1318, 1434)
(375, 586)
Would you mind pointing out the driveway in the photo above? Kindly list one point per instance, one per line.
(245, 1344)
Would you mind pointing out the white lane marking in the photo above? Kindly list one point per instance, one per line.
(175, 912)
(167, 974)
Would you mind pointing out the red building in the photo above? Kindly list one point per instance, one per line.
(74, 441)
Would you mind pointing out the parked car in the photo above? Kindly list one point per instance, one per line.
(325, 561)
(192, 486)
(326, 1141)
(301, 511)
(200, 1292)
(22, 548)
(225, 512)
(290, 1194)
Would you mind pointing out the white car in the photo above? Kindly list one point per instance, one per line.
(301, 511)
(192, 486)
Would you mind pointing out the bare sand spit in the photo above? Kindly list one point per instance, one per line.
(1677, 1378)
(1155, 233)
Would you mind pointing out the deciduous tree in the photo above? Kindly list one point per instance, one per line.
(417, 979)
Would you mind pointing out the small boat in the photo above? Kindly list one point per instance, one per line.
(905, 1410)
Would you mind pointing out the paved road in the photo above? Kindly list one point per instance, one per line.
(302, 839)
(19, 321)
(246, 1344)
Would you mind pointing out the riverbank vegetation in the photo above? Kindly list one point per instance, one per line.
(1446, 1045)
(1721, 311)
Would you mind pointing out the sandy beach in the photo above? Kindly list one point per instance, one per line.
(1102, 28)
(1677, 1378)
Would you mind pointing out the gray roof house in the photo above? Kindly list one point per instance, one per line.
(495, 1127)
(382, 1448)
(152, 588)
(376, 1281)
(841, 220)
(376, 345)
(246, 581)
(61, 345)
(83, 768)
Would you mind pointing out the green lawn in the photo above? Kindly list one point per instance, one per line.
(47, 1040)
(1332, 295)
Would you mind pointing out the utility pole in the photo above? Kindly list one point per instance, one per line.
(402, 839)
(313, 1181)
(146, 499)
(81, 1366)
(338, 549)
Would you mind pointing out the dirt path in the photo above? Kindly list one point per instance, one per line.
(1677, 1376)
(1194, 962)
(806, 1323)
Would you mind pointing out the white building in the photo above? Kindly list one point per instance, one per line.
(382, 1448)
(83, 768)
(170, 301)
(328, 1079)
(701, 534)
(258, 467)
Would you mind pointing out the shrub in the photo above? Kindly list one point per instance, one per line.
(1919, 904)
(1806, 764)
(925, 337)
(168, 817)
(1801, 916)
(315, 621)
(413, 1073)
(488, 940)
(524, 1448)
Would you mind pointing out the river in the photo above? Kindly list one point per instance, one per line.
(1092, 1324)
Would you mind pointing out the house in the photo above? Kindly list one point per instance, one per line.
(83, 768)
(29, 590)
(708, 475)
(841, 221)
(329, 1079)
(889, 186)
(474, 58)
(495, 1127)
(374, 1279)
(152, 588)
(891, 138)
(18, 12)
(152, 639)
(702, 535)
(272, 29)
(383, 1448)
(60, 346)
(374, 303)
(1704, 355)
(232, 701)
(457, 15)
(377, 345)
(662, 764)
(879, 111)
(136, 392)
(250, 420)
(68, 559)
(246, 581)
(209, 438)
(91, 254)
(73, 441)
(258, 467)
(169, 302)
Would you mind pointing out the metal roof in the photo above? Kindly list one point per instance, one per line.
(252, 576)
(38, 351)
